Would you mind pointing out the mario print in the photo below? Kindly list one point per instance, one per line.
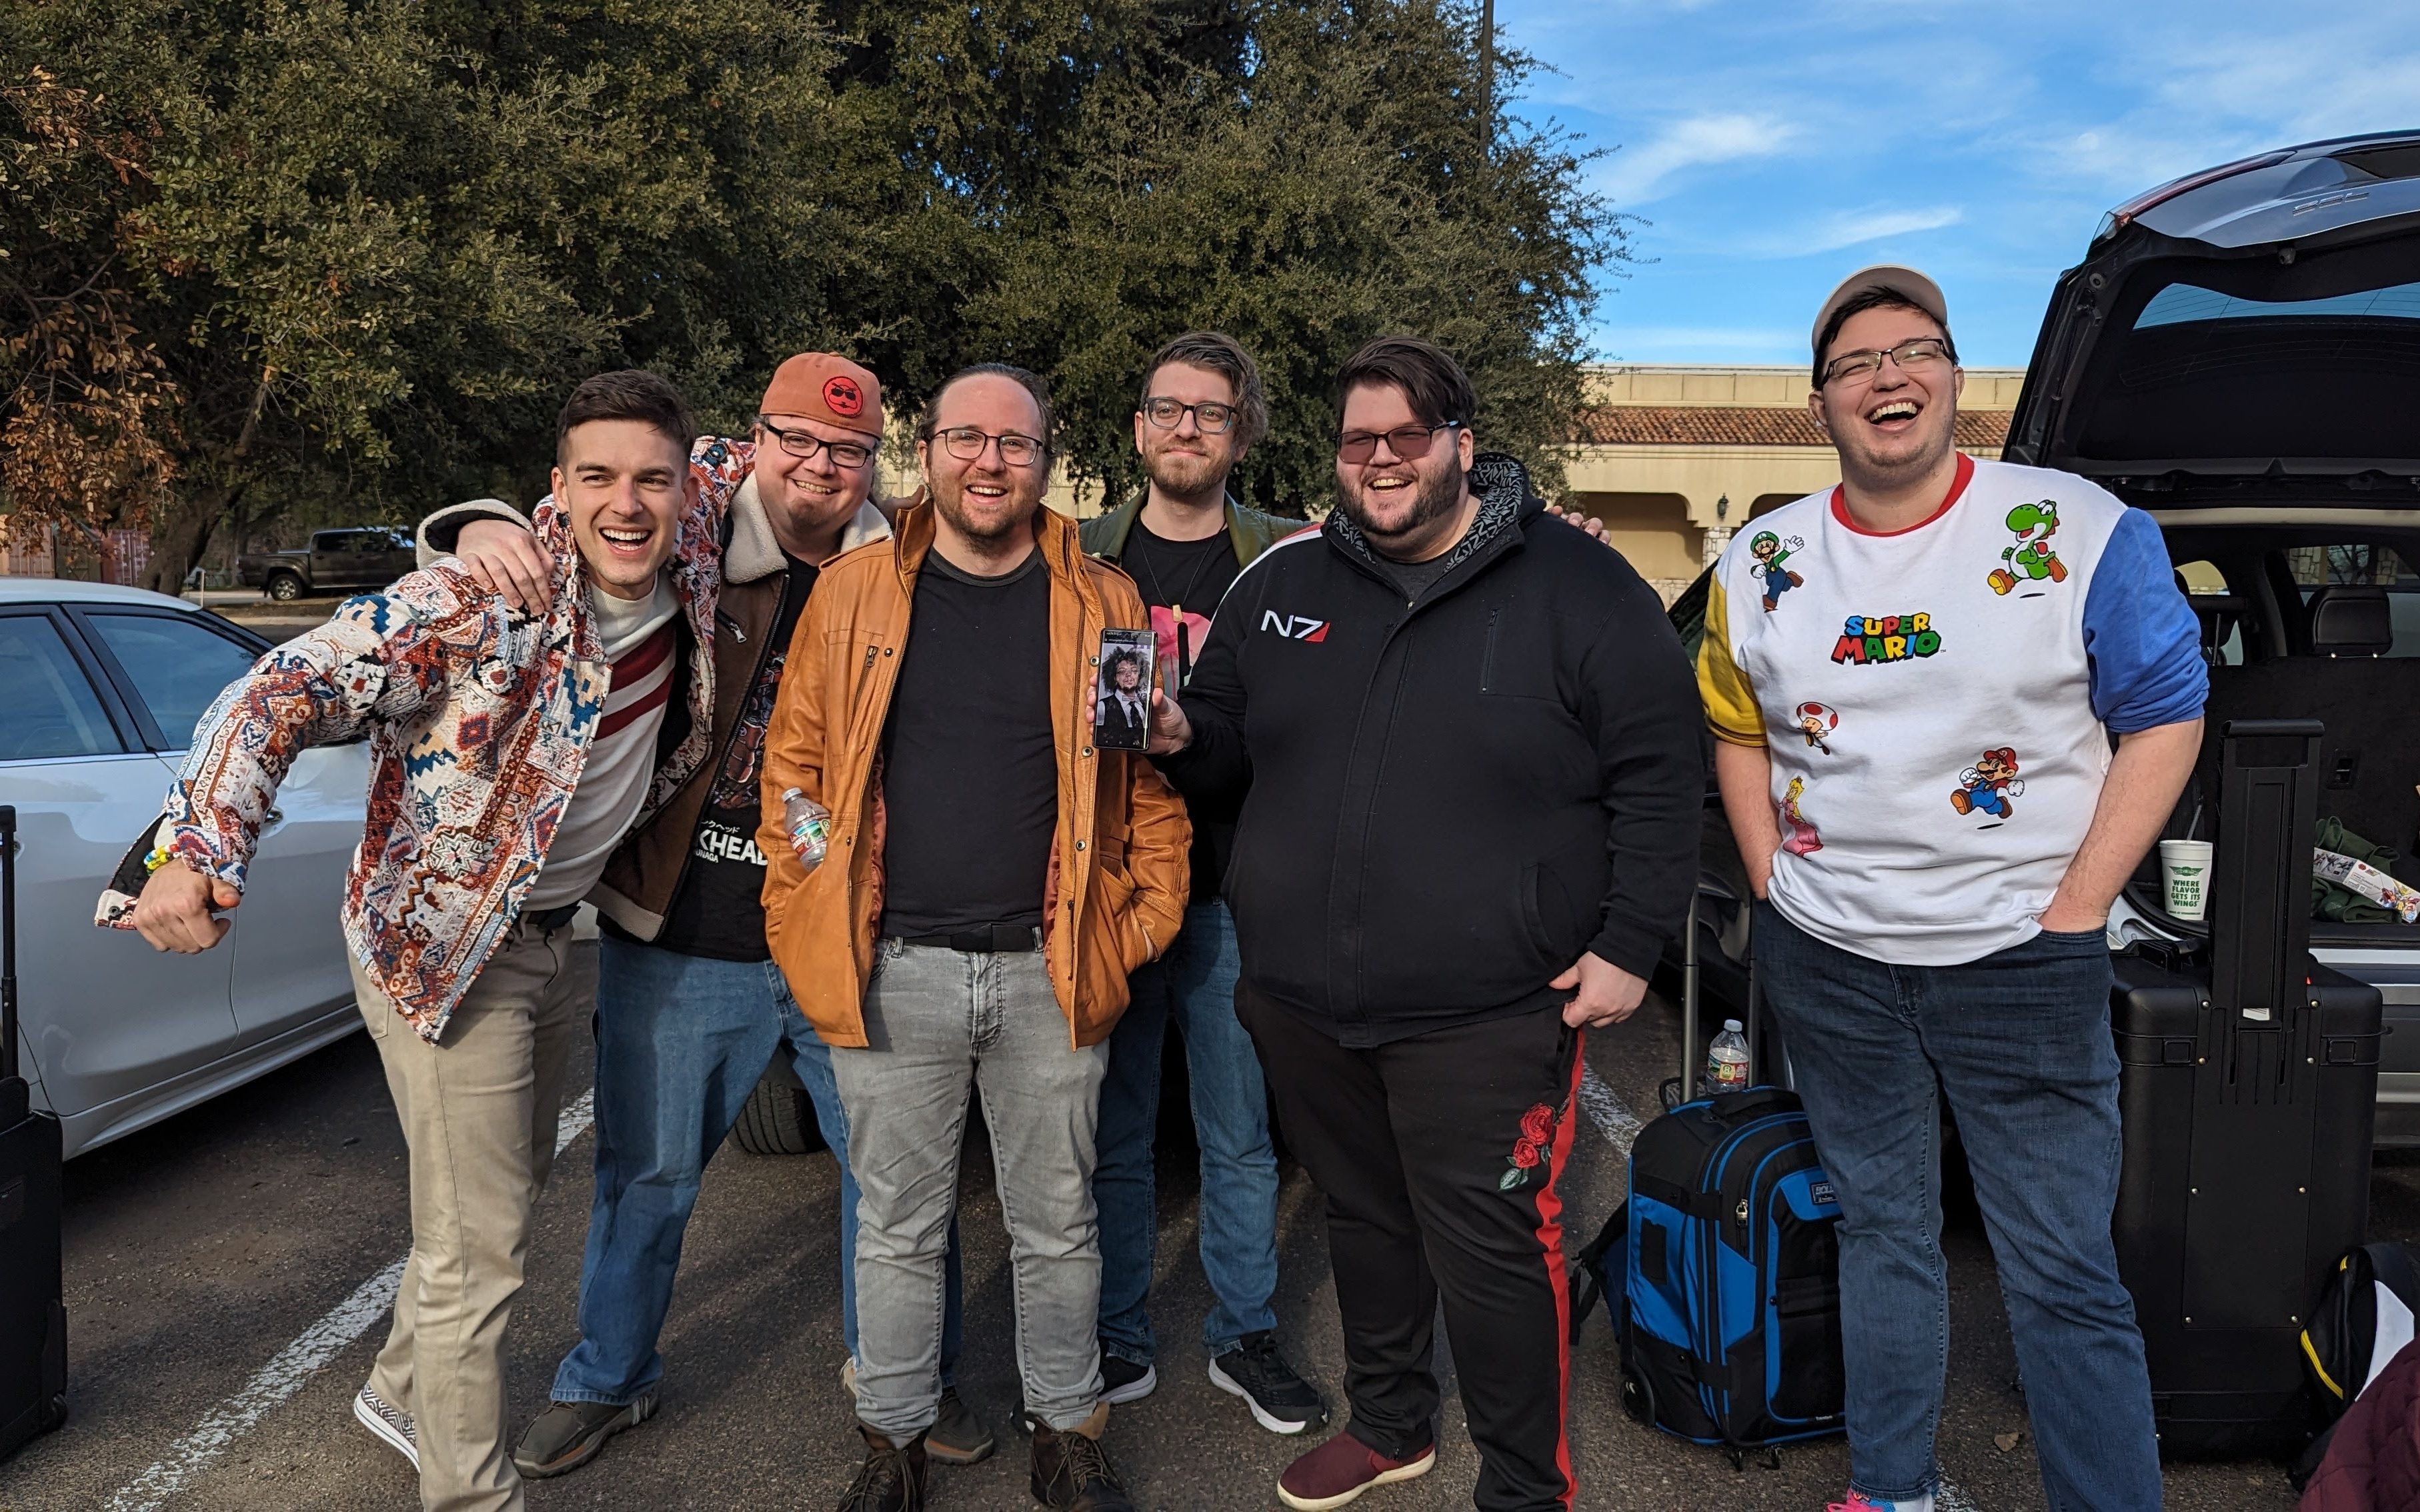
(1772, 555)
(1815, 722)
(2030, 560)
(1987, 786)
(1801, 838)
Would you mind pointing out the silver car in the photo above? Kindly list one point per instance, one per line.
(100, 690)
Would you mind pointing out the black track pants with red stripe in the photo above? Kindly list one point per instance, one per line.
(1439, 1156)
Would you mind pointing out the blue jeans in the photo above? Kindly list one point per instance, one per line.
(681, 1041)
(2019, 1041)
(1195, 981)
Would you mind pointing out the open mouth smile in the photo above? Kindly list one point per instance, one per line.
(1894, 415)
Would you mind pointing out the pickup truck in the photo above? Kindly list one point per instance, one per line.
(362, 557)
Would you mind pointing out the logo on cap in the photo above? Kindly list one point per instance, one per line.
(842, 392)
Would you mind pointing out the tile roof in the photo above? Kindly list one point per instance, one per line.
(1720, 426)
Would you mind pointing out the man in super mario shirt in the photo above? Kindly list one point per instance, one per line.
(1925, 948)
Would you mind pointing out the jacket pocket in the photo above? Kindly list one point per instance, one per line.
(1115, 892)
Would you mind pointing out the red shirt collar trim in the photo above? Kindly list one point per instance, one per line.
(1957, 489)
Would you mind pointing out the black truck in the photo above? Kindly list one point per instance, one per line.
(368, 556)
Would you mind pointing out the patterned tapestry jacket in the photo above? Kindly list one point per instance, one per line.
(479, 721)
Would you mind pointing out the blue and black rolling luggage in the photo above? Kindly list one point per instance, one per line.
(33, 1323)
(1722, 1273)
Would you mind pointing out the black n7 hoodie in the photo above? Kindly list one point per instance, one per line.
(1449, 799)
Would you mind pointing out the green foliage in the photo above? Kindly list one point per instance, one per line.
(255, 251)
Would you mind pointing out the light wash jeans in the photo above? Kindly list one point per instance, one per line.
(1194, 983)
(2018, 1043)
(681, 1041)
(940, 1024)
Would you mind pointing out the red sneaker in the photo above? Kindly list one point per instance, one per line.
(1341, 1470)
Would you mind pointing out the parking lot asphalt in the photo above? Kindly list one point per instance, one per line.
(222, 1271)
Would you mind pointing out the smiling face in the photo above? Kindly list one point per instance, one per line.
(1403, 506)
(1894, 424)
(623, 483)
(988, 501)
(810, 495)
(1185, 461)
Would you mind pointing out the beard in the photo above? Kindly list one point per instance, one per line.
(997, 523)
(1435, 497)
(1182, 474)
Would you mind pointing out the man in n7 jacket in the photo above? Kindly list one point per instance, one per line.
(1475, 776)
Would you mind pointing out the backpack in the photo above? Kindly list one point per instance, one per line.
(1728, 1188)
(2363, 1319)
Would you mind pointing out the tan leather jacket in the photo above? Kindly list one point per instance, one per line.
(1116, 891)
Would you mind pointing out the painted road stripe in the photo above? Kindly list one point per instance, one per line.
(294, 1365)
(1950, 1498)
(1615, 1121)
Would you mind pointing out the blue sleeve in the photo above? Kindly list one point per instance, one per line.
(2139, 634)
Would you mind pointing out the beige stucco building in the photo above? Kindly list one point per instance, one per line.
(1674, 458)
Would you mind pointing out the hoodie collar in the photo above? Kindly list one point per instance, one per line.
(1505, 500)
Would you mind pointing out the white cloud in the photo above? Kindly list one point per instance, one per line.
(1850, 228)
(1637, 174)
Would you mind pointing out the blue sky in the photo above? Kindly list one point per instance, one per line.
(1772, 147)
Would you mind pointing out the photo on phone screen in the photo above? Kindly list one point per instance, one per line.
(1122, 701)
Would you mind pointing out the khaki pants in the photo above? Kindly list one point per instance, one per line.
(478, 1111)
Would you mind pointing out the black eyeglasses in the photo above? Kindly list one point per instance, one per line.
(849, 455)
(1409, 443)
(1920, 354)
(967, 443)
(1213, 419)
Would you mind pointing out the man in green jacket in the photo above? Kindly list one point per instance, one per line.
(1182, 540)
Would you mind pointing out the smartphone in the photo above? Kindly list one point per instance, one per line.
(1122, 693)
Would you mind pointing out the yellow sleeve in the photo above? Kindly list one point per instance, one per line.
(1730, 701)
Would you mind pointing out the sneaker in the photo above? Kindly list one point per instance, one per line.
(1123, 1381)
(1072, 1470)
(958, 1436)
(1342, 1469)
(1860, 1501)
(890, 1480)
(568, 1435)
(390, 1423)
(1282, 1401)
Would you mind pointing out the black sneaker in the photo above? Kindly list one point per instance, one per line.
(1123, 1381)
(568, 1435)
(1282, 1401)
(958, 1436)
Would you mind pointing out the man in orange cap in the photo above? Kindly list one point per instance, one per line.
(690, 1008)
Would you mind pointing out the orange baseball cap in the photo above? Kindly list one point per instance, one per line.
(821, 386)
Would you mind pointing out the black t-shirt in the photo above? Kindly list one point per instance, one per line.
(1414, 578)
(719, 910)
(969, 769)
(1190, 576)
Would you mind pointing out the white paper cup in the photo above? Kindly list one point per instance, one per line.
(2184, 876)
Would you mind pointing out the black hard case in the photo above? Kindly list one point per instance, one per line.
(2248, 1083)
(33, 1315)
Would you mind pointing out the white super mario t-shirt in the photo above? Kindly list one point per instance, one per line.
(1938, 701)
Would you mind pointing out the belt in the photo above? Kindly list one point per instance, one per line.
(993, 939)
(547, 920)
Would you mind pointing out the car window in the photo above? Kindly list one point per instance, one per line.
(2314, 567)
(52, 709)
(2178, 303)
(2218, 612)
(178, 665)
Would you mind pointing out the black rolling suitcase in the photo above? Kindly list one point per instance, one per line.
(33, 1316)
(2248, 1083)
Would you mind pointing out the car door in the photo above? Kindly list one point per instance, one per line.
(288, 953)
(104, 1016)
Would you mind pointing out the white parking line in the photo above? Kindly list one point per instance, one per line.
(1950, 1498)
(294, 1365)
(1615, 1121)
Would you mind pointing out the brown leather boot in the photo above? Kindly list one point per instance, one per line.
(890, 1480)
(1071, 1470)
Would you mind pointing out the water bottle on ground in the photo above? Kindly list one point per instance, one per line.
(1726, 1062)
(809, 823)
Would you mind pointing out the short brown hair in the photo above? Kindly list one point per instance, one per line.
(1223, 355)
(1874, 299)
(631, 394)
(1031, 381)
(1433, 383)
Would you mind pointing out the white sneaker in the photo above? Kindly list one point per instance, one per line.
(390, 1423)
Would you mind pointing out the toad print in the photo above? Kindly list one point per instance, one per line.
(1815, 722)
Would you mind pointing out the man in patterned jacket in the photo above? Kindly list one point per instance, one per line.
(512, 753)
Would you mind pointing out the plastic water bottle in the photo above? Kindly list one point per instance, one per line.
(810, 826)
(1727, 1061)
